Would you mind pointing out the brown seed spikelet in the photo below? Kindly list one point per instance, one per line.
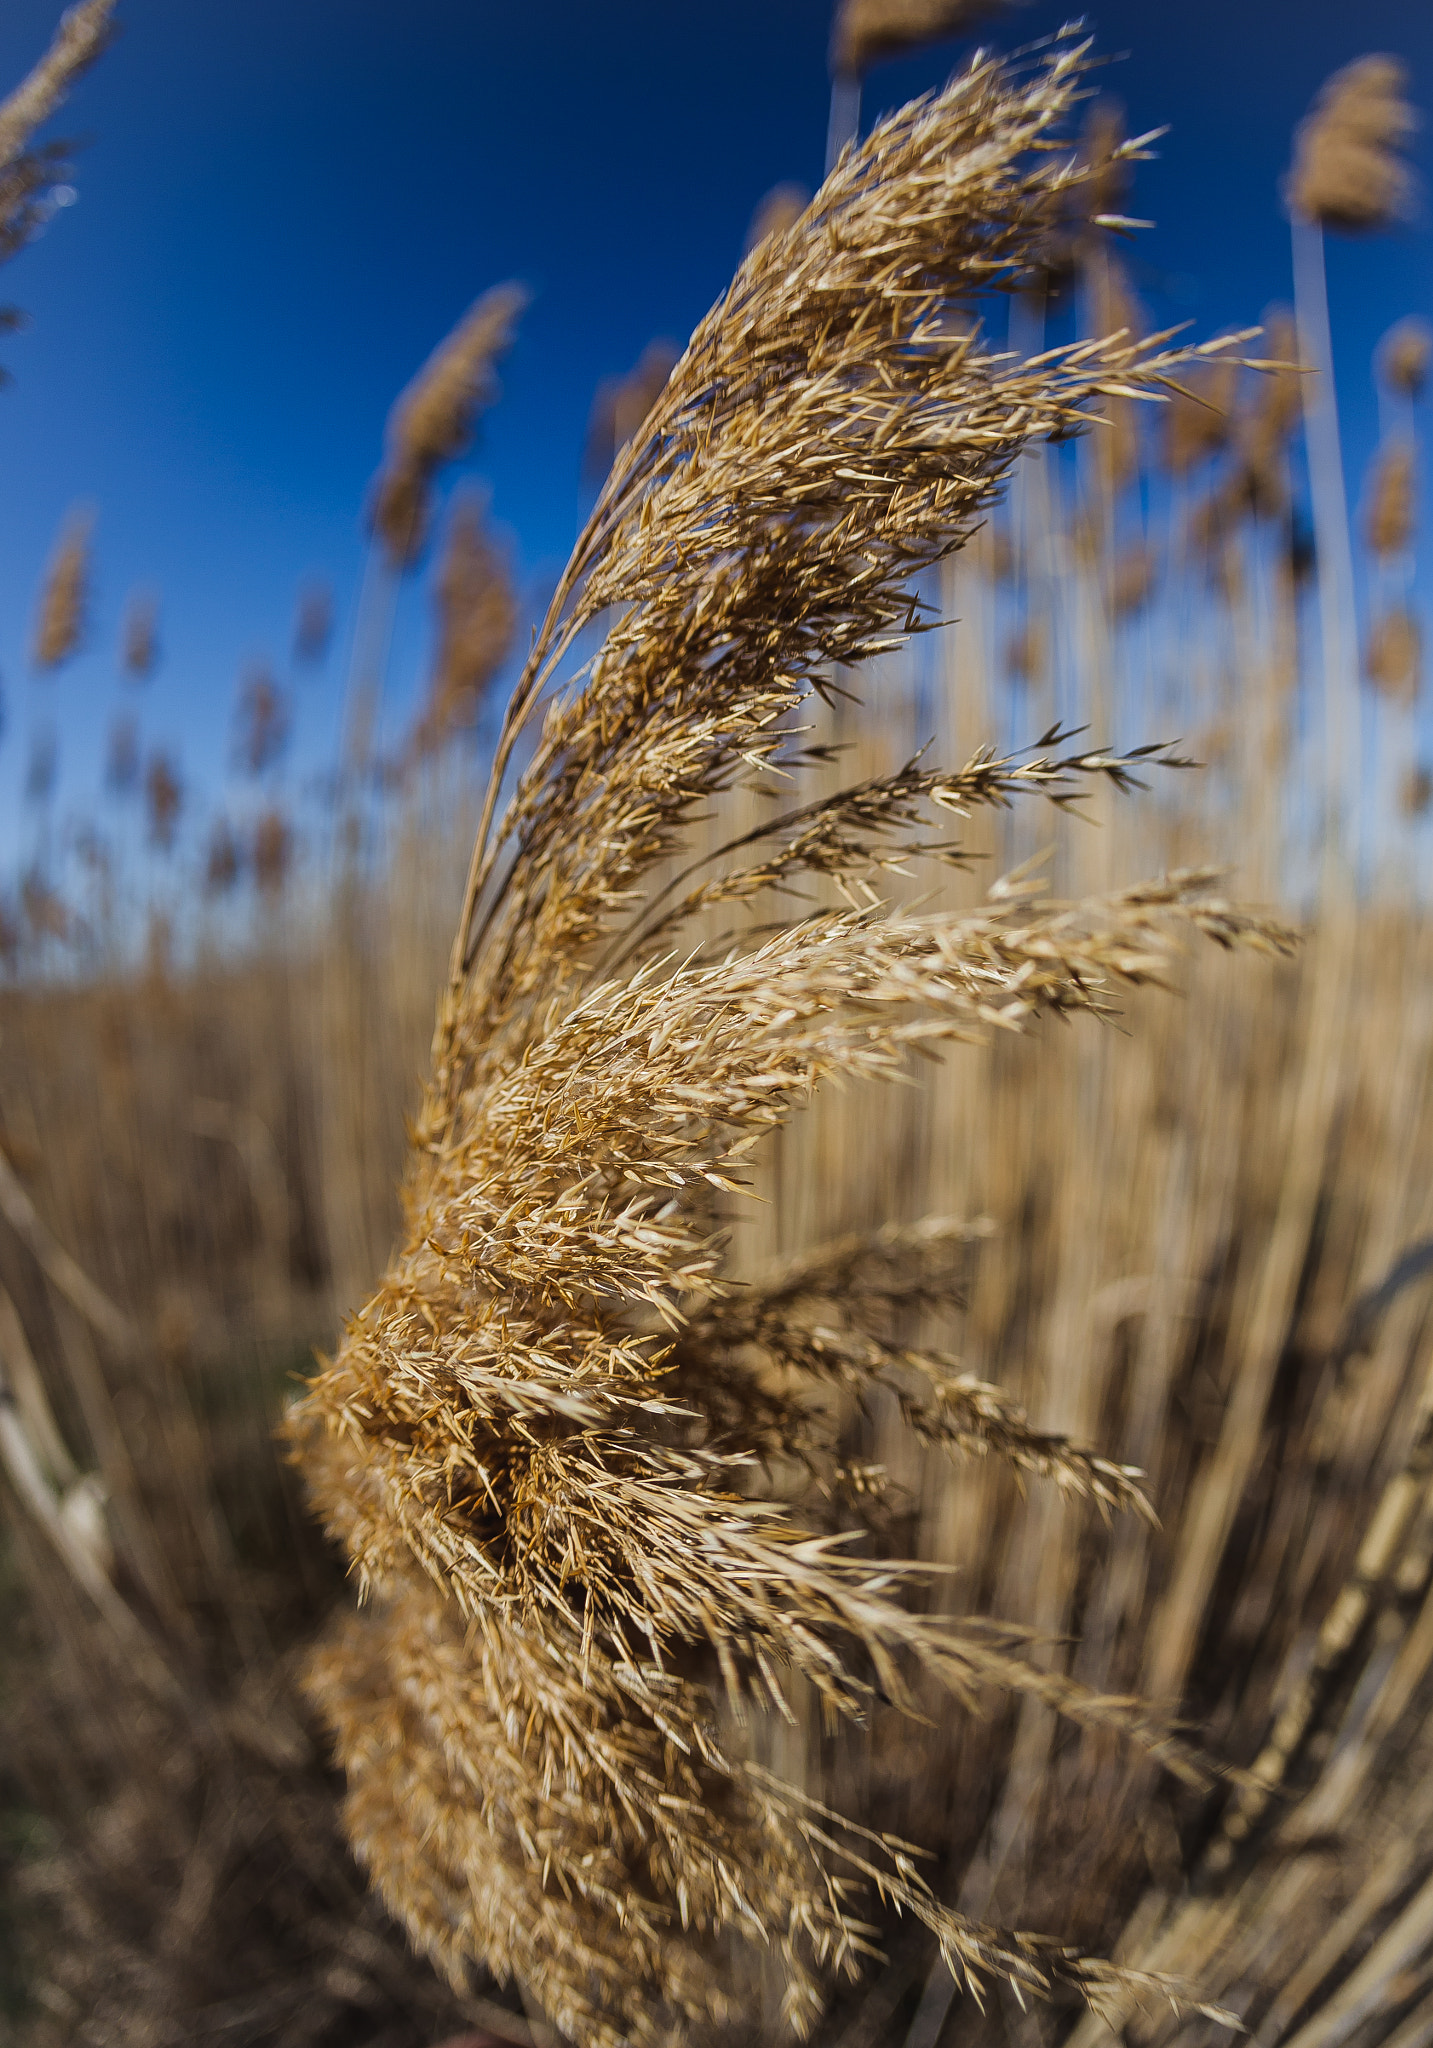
(1415, 791)
(1404, 355)
(60, 622)
(866, 32)
(477, 619)
(542, 1440)
(777, 214)
(313, 623)
(164, 799)
(262, 722)
(433, 420)
(139, 646)
(1347, 170)
(621, 405)
(1198, 421)
(1393, 658)
(273, 854)
(26, 175)
(223, 860)
(1389, 504)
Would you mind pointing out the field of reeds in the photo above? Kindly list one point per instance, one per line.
(878, 1395)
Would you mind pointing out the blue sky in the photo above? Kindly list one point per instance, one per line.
(284, 206)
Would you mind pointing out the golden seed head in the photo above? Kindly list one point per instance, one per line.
(222, 859)
(273, 854)
(477, 621)
(139, 649)
(262, 721)
(60, 621)
(1389, 504)
(622, 404)
(1348, 170)
(1393, 658)
(776, 214)
(434, 419)
(1404, 354)
(163, 799)
(866, 32)
(1415, 790)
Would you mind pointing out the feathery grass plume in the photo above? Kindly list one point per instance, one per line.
(433, 421)
(544, 1442)
(1198, 421)
(477, 619)
(60, 621)
(223, 859)
(1403, 356)
(262, 722)
(1265, 424)
(121, 772)
(867, 32)
(10, 934)
(776, 213)
(27, 176)
(139, 646)
(622, 404)
(272, 855)
(163, 800)
(1348, 171)
(1388, 518)
(313, 624)
(1393, 658)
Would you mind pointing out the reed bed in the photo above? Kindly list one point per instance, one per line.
(946, 1560)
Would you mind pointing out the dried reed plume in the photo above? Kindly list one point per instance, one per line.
(434, 419)
(60, 621)
(223, 860)
(163, 800)
(1348, 171)
(262, 722)
(1389, 507)
(26, 175)
(1393, 658)
(1404, 355)
(477, 619)
(866, 32)
(313, 623)
(139, 651)
(273, 854)
(622, 404)
(1198, 421)
(776, 213)
(551, 1440)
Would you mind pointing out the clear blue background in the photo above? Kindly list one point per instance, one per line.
(284, 206)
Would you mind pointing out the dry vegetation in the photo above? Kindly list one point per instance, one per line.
(907, 1562)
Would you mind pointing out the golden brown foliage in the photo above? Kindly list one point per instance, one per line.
(1348, 171)
(433, 421)
(622, 404)
(1393, 658)
(477, 619)
(1404, 354)
(139, 650)
(547, 1441)
(26, 175)
(1389, 505)
(60, 621)
(163, 799)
